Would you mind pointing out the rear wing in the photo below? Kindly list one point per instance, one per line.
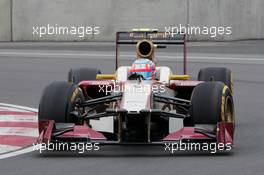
(161, 39)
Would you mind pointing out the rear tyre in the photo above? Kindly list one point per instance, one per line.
(212, 102)
(80, 74)
(58, 100)
(217, 74)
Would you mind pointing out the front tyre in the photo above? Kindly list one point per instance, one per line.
(58, 100)
(212, 102)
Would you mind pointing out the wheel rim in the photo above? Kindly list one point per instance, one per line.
(78, 97)
(229, 110)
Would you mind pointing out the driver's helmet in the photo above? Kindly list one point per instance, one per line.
(143, 67)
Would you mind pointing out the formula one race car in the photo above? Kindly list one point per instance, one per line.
(127, 107)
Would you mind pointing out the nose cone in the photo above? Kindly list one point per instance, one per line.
(136, 96)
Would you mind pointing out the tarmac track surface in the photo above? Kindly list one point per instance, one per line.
(23, 77)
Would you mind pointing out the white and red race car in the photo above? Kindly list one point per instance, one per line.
(122, 109)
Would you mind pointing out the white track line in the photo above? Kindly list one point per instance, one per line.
(18, 118)
(19, 107)
(23, 150)
(19, 152)
(81, 54)
(8, 148)
(19, 131)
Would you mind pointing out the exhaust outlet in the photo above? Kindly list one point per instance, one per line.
(145, 49)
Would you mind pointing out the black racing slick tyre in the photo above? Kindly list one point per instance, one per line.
(212, 102)
(58, 100)
(80, 74)
(217, 74)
